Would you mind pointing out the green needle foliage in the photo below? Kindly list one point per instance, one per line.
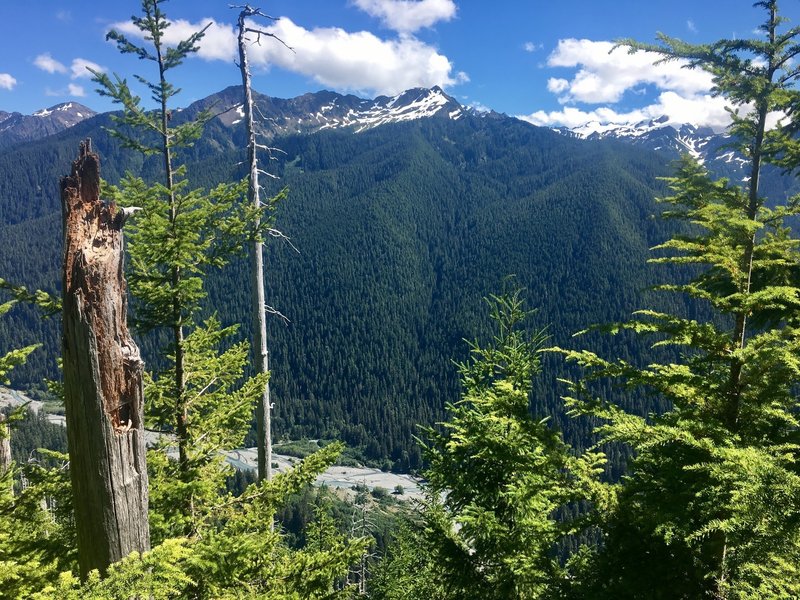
(242, 557)
(219, 409)
(503, 475)
(711, 507)
(178, 235)
(37, 534)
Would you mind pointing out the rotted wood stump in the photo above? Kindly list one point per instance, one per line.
(102, 377)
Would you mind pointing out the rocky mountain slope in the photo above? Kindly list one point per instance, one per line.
(16, 127)
(703, 143)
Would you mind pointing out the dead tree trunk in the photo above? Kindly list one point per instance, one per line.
(102, 377)
(264, 406)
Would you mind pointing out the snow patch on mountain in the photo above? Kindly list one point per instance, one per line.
(408, 106)
(328, 110)
(16, 127)
(663, 135)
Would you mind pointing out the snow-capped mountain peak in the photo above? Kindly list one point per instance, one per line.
(410, 105)
(663, 134)
(328, 110)
(16, 127)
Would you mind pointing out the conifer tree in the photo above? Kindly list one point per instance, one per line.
(178, 235)
(712, 503)
(502, 476)
(36, 543)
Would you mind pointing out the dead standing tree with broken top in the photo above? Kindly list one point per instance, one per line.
(102, 377)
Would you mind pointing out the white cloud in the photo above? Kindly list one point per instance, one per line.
(76, 90)
(606, 73)
(531, 47)
(354, 61)
(700, 110)
(218, 42)
(557, 85)
(80, 68)
(407, 16)
(7, 82)
(357, 61)
(49, 64)
(691, 26)
(479, 107)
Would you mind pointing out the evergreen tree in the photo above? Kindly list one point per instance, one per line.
(178, 235)
(712, 502)
(37, 534)
(502, 476)
(17, 356)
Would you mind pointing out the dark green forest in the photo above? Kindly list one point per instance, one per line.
(400, 231)
(589, 353)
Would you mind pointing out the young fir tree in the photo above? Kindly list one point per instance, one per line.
(502, 475)
(711, 507)
(37, 531)
(178, 235)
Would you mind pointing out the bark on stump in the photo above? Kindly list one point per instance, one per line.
(102, 377)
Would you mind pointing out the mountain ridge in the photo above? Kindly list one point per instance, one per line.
(661, 134)
(324, 110)
(16, 127)
(318, 111)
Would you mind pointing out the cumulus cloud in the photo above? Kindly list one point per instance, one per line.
(604, 75)
(7, 82)
(80, 68)
(479, 107)
(700, 109)
(76, 90)
(531, 47)
(355, 61)
(218, 43)
(49, 64)
(557, 85)
(407, 16)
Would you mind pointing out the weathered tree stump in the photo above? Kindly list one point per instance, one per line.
(102, 377)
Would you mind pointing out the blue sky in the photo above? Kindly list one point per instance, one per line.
(546, 61)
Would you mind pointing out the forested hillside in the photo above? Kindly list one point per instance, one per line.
(400, 231)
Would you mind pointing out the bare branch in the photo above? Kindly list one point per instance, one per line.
(270, 175)
(260, 32)
(249, 11)
(272, 311)
(280, 235)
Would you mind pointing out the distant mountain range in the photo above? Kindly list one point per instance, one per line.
(325, 110)
(16, 127)
(708, 147)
